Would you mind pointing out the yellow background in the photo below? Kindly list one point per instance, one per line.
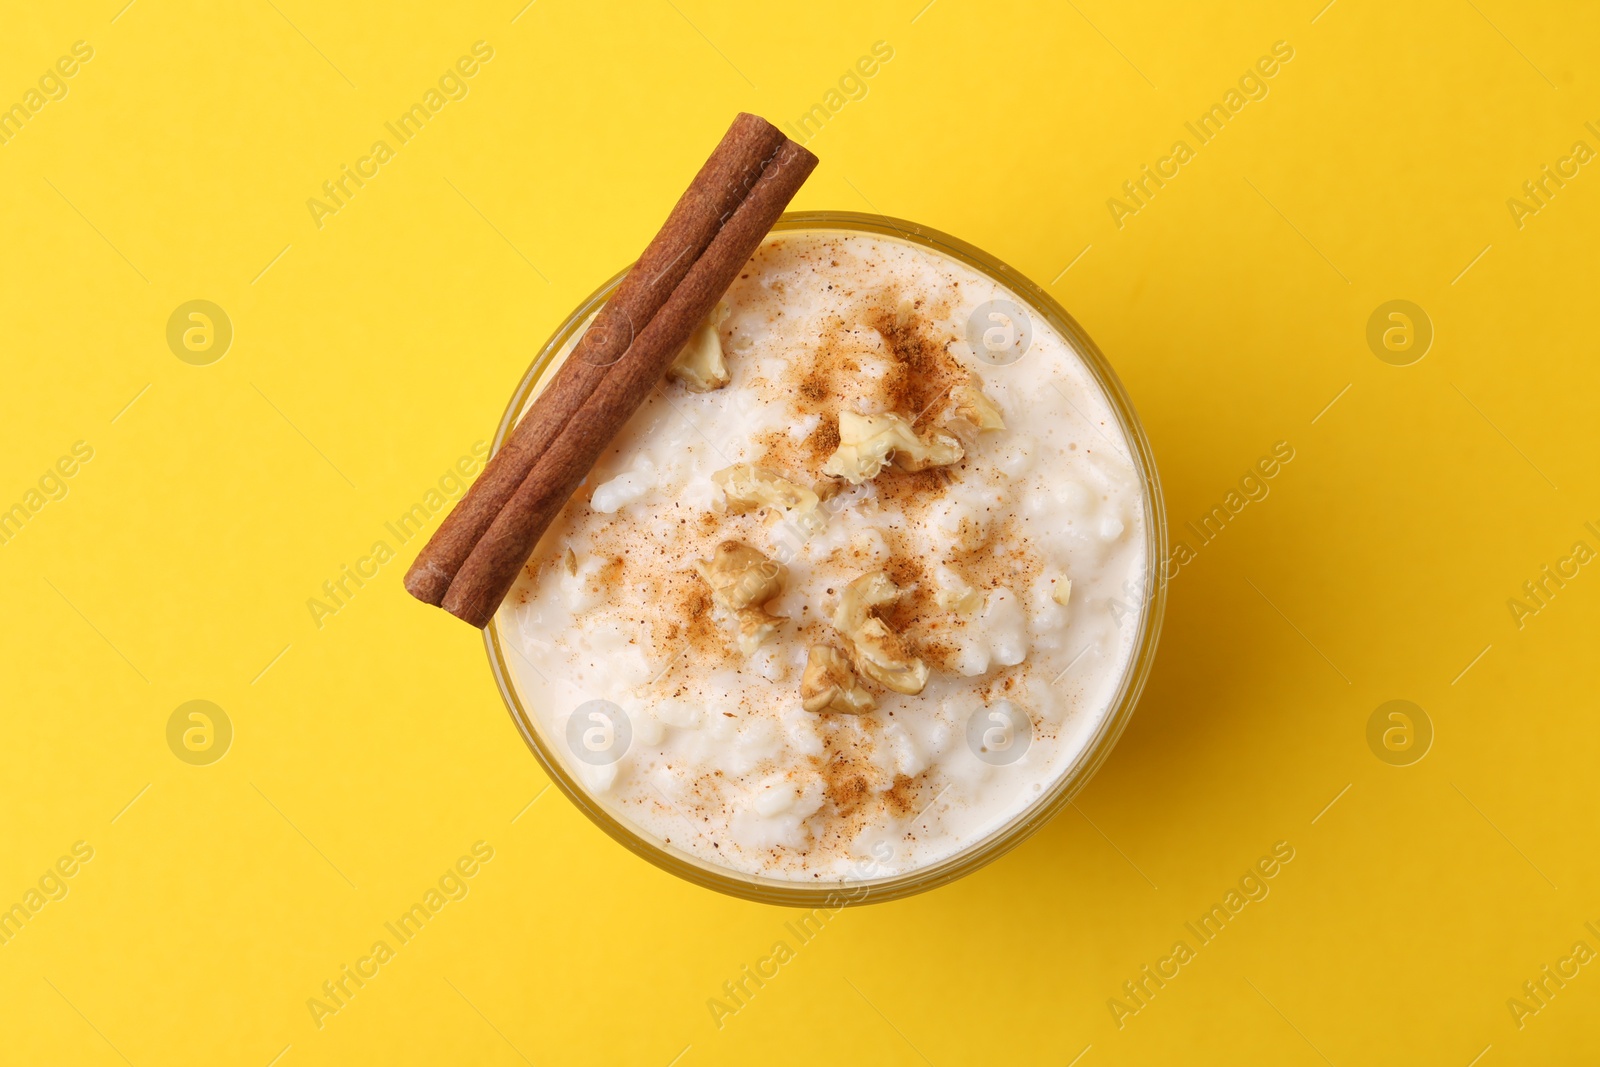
(373, 352)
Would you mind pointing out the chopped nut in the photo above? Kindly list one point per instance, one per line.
(873, 590)
(742, 580)
(867, 442)
(830, 685)
(755, 626)
(880, 653)
(569, 559)
(1062, 591)
(966, 601)
(699, 365)
(740, 576)
(975, 411)
(882, 656)
(747, 487)
(958, 596)
(827, 488)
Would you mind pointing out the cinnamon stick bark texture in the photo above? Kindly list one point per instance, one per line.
(492, 567)
(720, 187)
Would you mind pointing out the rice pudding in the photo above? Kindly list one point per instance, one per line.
(855, 586)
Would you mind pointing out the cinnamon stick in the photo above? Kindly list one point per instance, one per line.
(492, 567)
(722, 184)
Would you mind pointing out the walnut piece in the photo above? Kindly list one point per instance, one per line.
(742, 580)
(975, 411)
(879, 652)
(861, 597)
(755, 626)
(741, 576)
(965, 601)
(747, 487)
(699, 364)
(953, 594)
(867, 442)
(830, 685)
(882, 656)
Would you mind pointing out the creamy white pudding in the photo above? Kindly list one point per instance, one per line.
(834, 503)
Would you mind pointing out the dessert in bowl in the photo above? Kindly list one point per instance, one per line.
(862, 593)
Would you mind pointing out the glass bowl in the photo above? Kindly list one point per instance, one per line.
(1072, 778)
